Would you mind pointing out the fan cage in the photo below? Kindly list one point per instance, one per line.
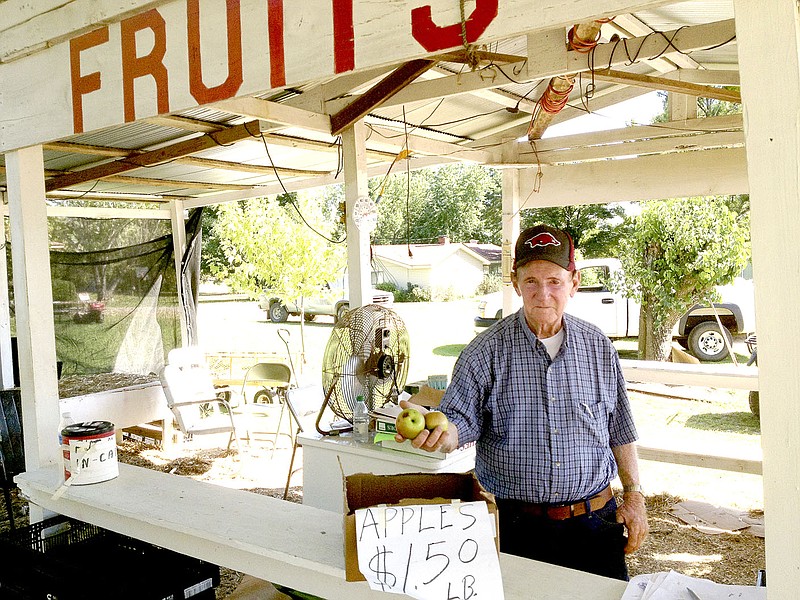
(367, 355)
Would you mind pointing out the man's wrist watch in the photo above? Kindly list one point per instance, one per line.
(634, 487)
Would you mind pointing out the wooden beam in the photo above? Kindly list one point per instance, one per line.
(377, 94)
(659, 145)
(706, 461)
(677, 175)
(557, 60)
(89, 149)
(187, 160)
(228, 165)
(280, 139)
(640, 132)
(274, 112)
(176, 183)
(422, 145)
(186, 123)
(154, 157)
(668, 85)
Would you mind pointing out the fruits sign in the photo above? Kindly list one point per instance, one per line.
(430, 551)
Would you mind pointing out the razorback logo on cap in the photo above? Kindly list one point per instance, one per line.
(540, 240)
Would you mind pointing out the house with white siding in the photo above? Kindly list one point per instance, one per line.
(445, 269)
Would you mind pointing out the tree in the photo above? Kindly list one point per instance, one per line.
(270, 248)
(450, 200)
(677, 252)
(596, 229)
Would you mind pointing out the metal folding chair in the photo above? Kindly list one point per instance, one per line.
(272, 378)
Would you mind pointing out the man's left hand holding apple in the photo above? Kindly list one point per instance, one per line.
(434, 439)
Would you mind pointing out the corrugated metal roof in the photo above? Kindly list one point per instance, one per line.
(478, 119)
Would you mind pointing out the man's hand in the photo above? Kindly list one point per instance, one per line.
(633, 515)
(434, 440)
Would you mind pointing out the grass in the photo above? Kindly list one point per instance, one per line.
(744, 423)
(451, 350)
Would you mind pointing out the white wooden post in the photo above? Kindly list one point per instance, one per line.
(6, 364)
(179, 243)
(33, 295)
(772, 133)
(510, 225)
(681, 106)
(355, 186)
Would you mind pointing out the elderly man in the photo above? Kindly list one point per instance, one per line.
(542, 395)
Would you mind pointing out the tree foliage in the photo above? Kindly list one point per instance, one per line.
(421, 206)
(676, 253)
(596, 229)
(267, 246)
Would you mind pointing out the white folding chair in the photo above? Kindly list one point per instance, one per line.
(302, 403)
(192, 398)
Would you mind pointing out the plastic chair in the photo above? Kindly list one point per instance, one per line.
(302, 402)
(192, 397)
(273, 378)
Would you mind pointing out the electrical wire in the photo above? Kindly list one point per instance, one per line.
(293, 203)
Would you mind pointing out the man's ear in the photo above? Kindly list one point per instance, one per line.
(576, 282)
(514, 283)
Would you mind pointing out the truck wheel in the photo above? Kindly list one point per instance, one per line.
(278, 313)
(706, 341)
(755, 407)
(341, 311)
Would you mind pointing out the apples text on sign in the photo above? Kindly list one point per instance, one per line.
(430, 551)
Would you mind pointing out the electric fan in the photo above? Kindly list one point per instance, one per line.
(367, 355)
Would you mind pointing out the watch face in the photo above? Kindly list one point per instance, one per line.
(365, 214)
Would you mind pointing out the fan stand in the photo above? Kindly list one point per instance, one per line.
(330, 432)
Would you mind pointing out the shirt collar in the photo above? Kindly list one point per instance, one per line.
(566, 322)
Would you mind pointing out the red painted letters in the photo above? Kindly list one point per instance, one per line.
(151, 64)
(433, 37)
(83, 84)
(344, 47)
(200, 92)
(277, 65)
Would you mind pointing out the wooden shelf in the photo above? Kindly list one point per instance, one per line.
(283, 542)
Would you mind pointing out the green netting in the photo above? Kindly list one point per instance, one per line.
(116, 309)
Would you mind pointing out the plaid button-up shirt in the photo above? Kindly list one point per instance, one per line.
(543, 428)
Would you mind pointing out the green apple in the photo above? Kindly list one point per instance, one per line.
(410, 423)
(436, 419)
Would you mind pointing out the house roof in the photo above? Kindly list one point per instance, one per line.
(420, 256)
(490, 252)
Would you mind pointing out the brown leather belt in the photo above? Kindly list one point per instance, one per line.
(563, 511)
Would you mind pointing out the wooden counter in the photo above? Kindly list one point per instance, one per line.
(283, 542)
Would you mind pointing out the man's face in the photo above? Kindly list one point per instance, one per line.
(545, 289)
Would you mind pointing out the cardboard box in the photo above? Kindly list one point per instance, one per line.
(363, 490)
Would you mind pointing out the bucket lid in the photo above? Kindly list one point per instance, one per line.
(88, 428)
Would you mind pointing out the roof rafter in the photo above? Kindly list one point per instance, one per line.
(377, 94)
(155, 157)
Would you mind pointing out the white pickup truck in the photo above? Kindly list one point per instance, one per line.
(618, 316)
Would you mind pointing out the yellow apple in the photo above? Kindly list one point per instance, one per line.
(410, 423)
(436, 419)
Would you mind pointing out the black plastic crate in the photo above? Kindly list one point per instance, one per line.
(64, 559)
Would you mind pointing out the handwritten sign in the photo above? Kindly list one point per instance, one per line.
(430, 551)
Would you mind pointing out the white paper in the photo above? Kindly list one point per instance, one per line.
(675, 586)
(430, 551)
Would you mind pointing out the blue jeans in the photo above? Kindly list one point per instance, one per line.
(593, 542)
